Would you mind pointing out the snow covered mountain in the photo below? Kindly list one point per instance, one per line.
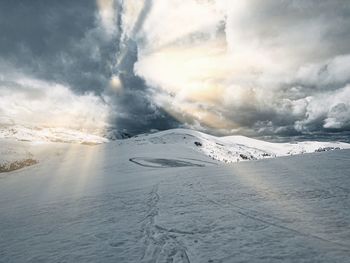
(166, 197)
(19, 145)
(234, 148)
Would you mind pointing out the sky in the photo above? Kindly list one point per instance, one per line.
(272, 67)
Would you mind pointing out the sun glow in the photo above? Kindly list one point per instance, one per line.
(107, 13)
(196, 78)
(115, 83)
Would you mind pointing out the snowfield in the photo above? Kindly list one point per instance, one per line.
(235, 148)
(14, 156)
(170, 197)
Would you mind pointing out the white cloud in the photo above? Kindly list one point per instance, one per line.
(332, 72)
(107, 10)
(177, 21)
(28, 101)
(329, 109)
(263, 66)
(265, 70)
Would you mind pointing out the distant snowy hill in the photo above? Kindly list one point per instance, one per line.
(19, 145)
(231, 149)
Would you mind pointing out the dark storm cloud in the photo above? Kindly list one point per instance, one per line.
(304, 86)
(64, 42)
(134, 107)
(57, 41)
(291, 70)
(317, 33)
(317, 29)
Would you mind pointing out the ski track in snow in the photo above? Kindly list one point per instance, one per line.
(160, 245)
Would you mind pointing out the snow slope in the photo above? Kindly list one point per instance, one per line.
(235, 148)
(161, 198)
(16, 155)
(225, 149)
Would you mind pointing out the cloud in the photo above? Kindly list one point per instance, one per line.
(107, 13)
(331, 110)
(78, 45)
(333, 73)
(31, 102)
(249, 67)
(252, 67)
(55, 42)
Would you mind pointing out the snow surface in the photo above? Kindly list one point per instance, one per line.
(14, 156)
(161, 198)
(234, 148)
